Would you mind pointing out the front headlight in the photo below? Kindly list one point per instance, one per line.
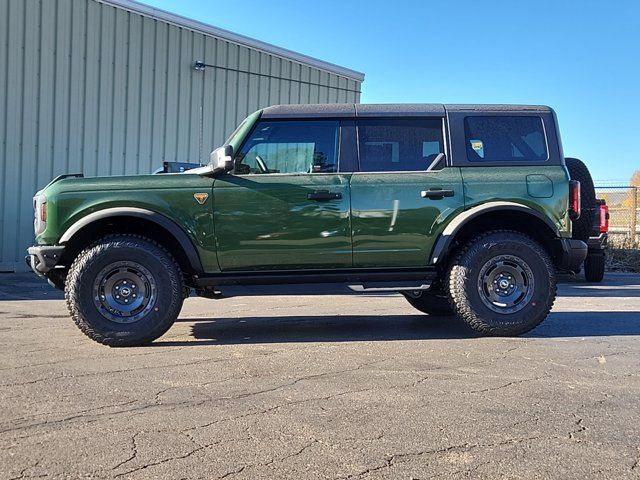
(40, 214)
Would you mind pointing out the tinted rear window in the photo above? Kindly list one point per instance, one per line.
(399, 144)
(505, 139)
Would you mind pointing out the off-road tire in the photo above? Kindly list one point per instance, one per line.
(594, 267)
(431, 303)
(463, 283)
(123, 250)
(583, 226)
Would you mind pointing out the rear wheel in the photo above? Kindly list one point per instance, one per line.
(594, 267)
(431, 303)
(124, 291)
(502, 283)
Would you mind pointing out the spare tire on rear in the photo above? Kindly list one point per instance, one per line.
(583, 226)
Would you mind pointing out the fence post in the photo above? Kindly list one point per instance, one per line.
(634, 210)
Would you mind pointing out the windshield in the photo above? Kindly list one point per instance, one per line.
(240, 133)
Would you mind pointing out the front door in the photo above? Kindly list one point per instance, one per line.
(286, 206)
(401, 198)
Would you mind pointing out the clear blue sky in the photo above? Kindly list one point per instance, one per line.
(581, 58)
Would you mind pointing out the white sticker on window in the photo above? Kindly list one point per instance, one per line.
(478, 147)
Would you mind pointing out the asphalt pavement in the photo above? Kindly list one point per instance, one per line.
(323, 387)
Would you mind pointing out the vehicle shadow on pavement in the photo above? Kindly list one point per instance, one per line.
(588, 324)
(26, 286)
(355, 328)
(336, 328)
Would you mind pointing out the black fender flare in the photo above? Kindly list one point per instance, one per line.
(178, 233)
(448, 235)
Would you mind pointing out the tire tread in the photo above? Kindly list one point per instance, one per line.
(87, 255)
(594, 266)
(457, 276)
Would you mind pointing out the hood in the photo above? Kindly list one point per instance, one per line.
(77, 183)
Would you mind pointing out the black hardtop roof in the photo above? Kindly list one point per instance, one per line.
(388, 109)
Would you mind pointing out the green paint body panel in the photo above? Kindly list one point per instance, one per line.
(486, 184)
(393, 226)
(267, 222)
(170, 195)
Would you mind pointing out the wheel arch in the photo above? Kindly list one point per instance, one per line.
(137, 221)
(497, 216)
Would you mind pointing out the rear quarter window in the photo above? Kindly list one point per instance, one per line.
(505, 139)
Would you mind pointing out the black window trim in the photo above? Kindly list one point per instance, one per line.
(445, 141)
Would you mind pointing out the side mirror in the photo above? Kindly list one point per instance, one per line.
(221, 159)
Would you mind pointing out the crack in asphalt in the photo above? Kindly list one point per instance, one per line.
(184, 403)
(98, 358)
(124, 370)
(391, 460)
(509, 384)
(242, 468)
(466, 471)
(166, 460)
(134, 451)
(23, 472)
(279, 387)
(77, 415)
(77, 412)
(146, 367)
(301, 379)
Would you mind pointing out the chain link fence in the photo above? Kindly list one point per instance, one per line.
(624, 211)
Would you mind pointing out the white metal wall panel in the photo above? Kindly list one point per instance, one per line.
(90, 87)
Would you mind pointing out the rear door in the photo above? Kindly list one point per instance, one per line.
(287, 205)
(401, 200)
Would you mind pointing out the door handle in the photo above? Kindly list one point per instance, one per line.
(436, 193)
(324, 196)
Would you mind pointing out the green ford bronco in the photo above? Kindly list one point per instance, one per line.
(463, 209)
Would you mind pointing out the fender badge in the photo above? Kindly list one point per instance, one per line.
(201, 197)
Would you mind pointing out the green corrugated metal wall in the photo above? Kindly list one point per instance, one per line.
(89, 87)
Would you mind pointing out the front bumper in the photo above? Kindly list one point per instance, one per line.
(573, 254)
(42, 258)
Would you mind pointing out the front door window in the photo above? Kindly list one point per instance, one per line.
(290, 147)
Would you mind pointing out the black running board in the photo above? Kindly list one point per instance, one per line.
(351, 276)
(316, 283)
(224, 291)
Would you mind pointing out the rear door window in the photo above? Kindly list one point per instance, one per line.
(505, 139)
(399, 144)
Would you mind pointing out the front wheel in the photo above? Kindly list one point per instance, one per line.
(124, 291)
(502, 283)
